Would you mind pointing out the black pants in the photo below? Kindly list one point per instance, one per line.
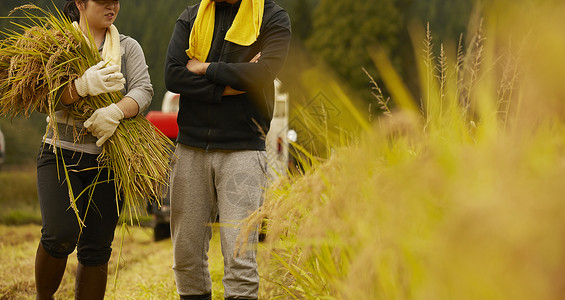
(61, 231)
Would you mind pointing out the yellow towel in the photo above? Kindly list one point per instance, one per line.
(244, 30)
(111, 51)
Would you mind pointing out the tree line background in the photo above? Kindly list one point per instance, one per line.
(336, 33)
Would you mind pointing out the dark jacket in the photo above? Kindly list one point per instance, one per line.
(209, 120)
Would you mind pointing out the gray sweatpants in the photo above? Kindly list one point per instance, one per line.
(203, 184)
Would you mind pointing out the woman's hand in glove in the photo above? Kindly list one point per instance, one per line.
(99, 79)
(104, 122)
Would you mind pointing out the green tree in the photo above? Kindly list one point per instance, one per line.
(300, 13)
(447, 18)
(6, 6)
(344, 30)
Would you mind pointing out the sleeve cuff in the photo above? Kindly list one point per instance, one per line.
(211, 71)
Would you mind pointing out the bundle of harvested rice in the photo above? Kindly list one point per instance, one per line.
(37, 61)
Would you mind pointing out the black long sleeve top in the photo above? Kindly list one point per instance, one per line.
(207, 119)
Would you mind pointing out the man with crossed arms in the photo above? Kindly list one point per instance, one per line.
(222, 59)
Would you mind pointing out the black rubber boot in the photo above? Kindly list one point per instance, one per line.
(49, 272)
(90, 282)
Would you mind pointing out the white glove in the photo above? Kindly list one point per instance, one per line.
(104, 122)
(99, 79)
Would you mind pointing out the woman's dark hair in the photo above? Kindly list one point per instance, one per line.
(71, 10)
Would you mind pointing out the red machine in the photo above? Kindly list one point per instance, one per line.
(165, 121)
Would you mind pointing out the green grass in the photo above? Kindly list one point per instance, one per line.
(21, 217)
(19, 197)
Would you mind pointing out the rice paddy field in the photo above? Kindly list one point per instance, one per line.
(457, 195)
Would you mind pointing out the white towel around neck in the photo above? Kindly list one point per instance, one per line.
(111, 51)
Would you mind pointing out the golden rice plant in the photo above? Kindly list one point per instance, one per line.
(40, 58)
(457, 198)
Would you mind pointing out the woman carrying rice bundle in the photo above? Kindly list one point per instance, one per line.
(65, 159)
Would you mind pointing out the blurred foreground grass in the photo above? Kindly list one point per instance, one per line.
(461, 197)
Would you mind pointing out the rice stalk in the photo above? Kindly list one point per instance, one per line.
(42, 58)
(379, 95)
(474, 60)
(508, 84)
(368, 222)
(441, 76)
(428, 61)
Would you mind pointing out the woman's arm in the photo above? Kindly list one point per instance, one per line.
(69, 95)
(129, 107)
(138, 83)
